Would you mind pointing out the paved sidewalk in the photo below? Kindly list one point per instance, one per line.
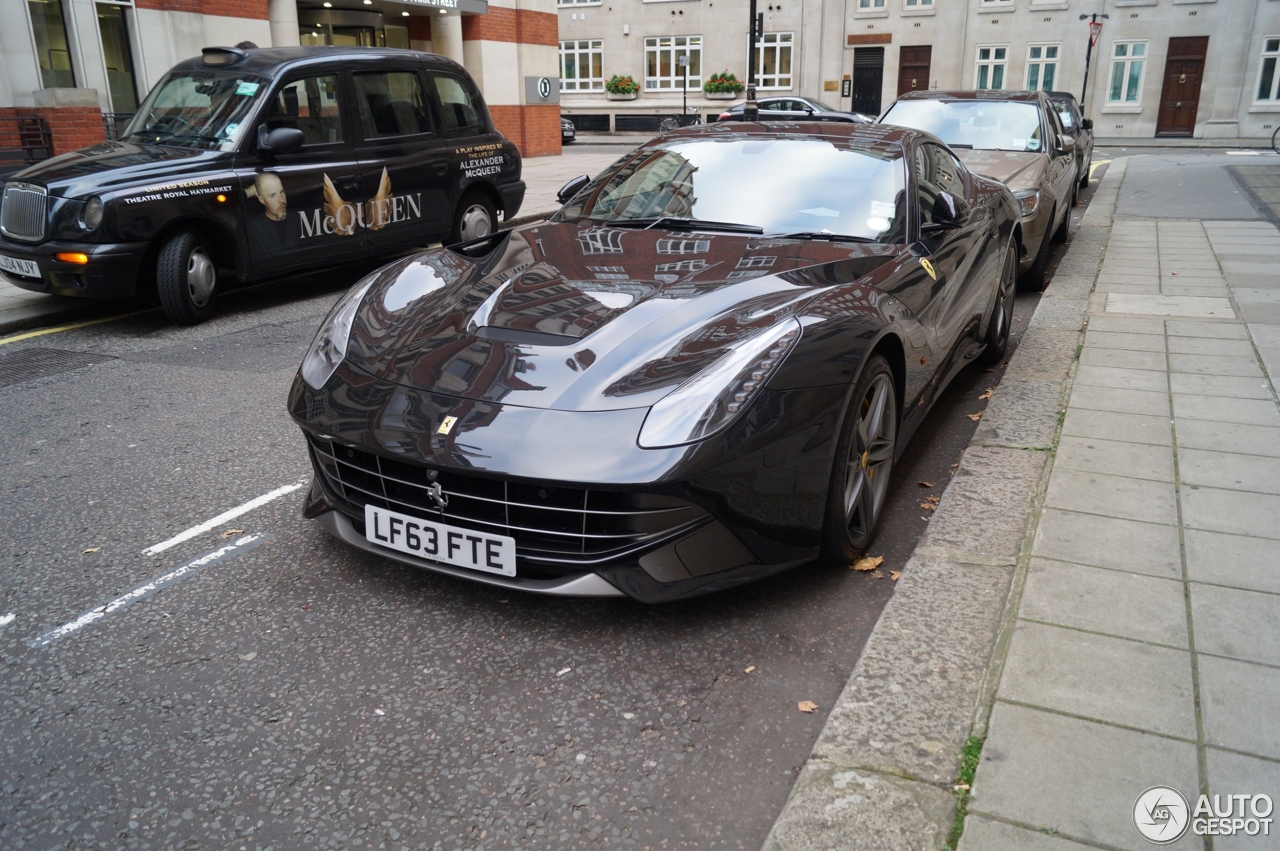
(1146, 649)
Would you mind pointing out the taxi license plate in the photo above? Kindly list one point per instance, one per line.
(440, 542)
(25, 268)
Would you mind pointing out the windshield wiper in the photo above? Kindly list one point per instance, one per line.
(833, 237)
(683, 223)
(959, 145)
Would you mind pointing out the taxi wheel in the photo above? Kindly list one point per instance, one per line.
(476, 217)
(186, 278)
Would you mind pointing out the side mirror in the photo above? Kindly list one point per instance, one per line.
(573, 187)
(808, 110)
(279, 139)
(1066, 144)
(949, 212)
(1086, 123)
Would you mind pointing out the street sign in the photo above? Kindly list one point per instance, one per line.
(541, 90)
(683, 60)
(544, 87)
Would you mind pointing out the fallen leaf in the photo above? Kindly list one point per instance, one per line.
(875, 574)
(749, 669)
(925, 484)
(867, 563)
(962, 785)
(987, 395)
(976, 417)
(230, 532)
(90, 550)
(895, 575)
(1173, 273)
(806, 706)
(931, 503)
(306, 608)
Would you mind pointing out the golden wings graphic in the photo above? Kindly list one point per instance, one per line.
(377, 213)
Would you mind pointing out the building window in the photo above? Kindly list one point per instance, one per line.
(869, 5)
(118, 58)
(992, 62)
(918, 4)
(582, 65)
(1042, 67)
(773, 60)
(50, 29)
(1268, 80)
(1127, 59)
(577, 2)
(662, 69)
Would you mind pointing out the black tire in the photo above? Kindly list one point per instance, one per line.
(474, 218)
(866, 449)
(1033, 280)
(1275, 141)
(1002, 312)
(187, 278)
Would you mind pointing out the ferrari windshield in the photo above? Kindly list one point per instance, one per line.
(196, 109)
(842, 187)
(982, 124)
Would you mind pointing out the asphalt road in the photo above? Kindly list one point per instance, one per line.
(296, 693)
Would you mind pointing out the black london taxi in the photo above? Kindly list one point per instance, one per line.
(242, 165)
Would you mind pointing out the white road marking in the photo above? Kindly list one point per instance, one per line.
(225, 516)
(7, 619)
(235, 548)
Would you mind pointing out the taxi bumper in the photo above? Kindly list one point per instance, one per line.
(512, 198)
(112, 270)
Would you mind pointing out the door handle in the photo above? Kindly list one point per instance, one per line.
(440, 168)
(348, 182)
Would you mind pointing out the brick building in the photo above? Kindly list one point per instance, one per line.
(75, 70)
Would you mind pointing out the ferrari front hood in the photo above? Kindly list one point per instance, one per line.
(577, 318)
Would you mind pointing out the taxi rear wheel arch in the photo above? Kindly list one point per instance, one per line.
(187, 278)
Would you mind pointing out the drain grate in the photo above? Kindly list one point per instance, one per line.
(28, 364)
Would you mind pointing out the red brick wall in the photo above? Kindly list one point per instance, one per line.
(535, 129)
(420, 28)
(226, 8)
(71, 128)
(515, 25)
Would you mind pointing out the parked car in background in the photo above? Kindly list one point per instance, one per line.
(685, 380)
(1079, 128)
(1016, 138)
(248, 164)
(792, 108)
(568, 132)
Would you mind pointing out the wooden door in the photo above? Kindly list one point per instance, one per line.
(1180, 95)
(913, 68)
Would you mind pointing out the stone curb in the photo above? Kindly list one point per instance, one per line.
(881, 772)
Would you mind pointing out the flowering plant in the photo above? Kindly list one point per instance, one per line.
(621, 85)
(722, 83)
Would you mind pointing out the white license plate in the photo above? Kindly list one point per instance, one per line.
(440, 542)
(26, 268)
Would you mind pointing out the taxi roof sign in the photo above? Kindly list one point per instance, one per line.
(222, 55)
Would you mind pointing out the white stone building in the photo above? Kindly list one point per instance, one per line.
(1203, 68)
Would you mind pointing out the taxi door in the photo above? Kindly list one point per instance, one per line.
(299, 205)
(404, 162)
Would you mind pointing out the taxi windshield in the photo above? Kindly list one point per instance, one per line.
(196, 109)
(987, 125)
(846, 188)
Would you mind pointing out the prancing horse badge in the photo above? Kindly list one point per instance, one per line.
(928, 267)
(446, 425)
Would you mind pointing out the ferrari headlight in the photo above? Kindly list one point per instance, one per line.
(91, 215)
(330, 345)
(1028, 202)
(708, 402)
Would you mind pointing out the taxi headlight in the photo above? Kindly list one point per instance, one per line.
(711, 400)
(330, 345)
(1028, 202)
(91, 215)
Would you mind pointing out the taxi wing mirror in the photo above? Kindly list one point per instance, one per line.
(1066, 144)
(279, 139)
(573, 187)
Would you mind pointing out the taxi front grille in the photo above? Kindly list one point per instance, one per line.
(22, 211)
(551, 524)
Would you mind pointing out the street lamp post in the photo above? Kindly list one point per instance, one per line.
(751, 112)
(1095, 30)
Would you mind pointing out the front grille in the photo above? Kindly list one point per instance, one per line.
(22, 211)
(550, 524)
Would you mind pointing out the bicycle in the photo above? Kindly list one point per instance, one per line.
(675, 122)
(1275, 141)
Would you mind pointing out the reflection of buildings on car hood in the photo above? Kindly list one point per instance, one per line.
(91, 59)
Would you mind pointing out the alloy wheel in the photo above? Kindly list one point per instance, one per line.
(870, 457)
